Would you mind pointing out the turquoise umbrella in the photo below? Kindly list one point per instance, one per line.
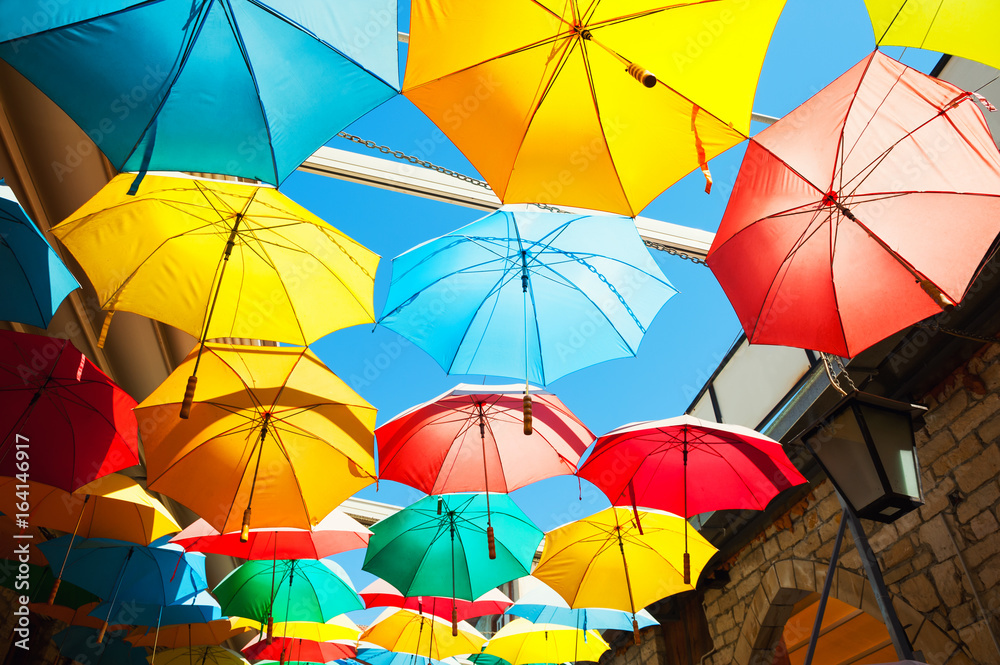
(34, 279)
(438, 546)
(240, 87)
(527, 294)
(289, 590)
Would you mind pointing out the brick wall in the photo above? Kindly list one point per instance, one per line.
(923, 555)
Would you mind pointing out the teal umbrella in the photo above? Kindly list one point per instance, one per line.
(34, 279)
(289, 590)
(438, 546)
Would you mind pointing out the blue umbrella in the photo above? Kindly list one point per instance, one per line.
(386, 657)
(79, 643)
(527, 294)
(125, 572)
(543, 605)
(239, 87)
(35, 280)
(200, 608)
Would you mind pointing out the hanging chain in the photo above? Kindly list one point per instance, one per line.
(399, 154)
(835, 369)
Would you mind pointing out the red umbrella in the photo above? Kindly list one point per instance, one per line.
(471, 439)
(60, 415)
(479, 439)
(646, 464)
(866, 209)
(337, 532)
(294, 649)
(382, 594)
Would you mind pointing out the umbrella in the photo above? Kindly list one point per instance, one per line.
(543, 605)
(437, 546)
(73, 617)
(521, 642)
(186, 634)
(422, 634)
(200, 655)
(293, 590)
(38, 583)
(646, 464)
(337, 532)
(284, 649)
(556, 115)
(88, 645)
(113, 506)
(532, 295)
(837, 238)
(239, 87)
(470, 440)
(198, 608)
(60, 415)
(382, 594)
(604, 561)
(20, 536)
(220, 259)
(121, 572)
(274, 428)
(376, 656)
(35, 279)
(949, 26)
(338, 628)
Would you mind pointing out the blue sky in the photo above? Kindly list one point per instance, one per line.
(813, 43)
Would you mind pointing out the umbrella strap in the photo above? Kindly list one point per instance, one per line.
(700, 149)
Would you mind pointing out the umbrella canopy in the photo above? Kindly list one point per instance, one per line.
(40, 579)
(273, 428)
(688, 466)
(220, 259)
(337, 532)
(199, 608)
(201, 655)
(950, 26)
(196, 86)
(837, 238)
(295, 649)
(10, 531)
(604, 561)
(82, 644)
(521, 642)
(543, 605)
(470, 439)
(422, 634)
(34, 277)
(373, 656)
(532, 295)
(186, 634)
(544, 97)
(77, 424)
(113, 506)
(382, 594)
(73, 617)
(123, 573)
(338, 628)
(438, 546)
(295, 590)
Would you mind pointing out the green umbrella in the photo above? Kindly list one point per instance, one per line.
(438, 546)
(291, 590)
(39, 582)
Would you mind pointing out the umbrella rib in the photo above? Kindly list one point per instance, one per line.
(284, 288)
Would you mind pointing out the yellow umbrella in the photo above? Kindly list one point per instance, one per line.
(113, 506)
(959, 27)
(337, 628)
(72, 617)
(521, 642)
(422, 634)
(220, 259)
(550, 99)
(199, 655)
(274, 428)
(186, 634)
(605, 560)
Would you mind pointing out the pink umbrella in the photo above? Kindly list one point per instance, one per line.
(337, 532)
(382, 594)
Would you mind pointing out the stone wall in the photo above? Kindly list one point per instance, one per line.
(923, 555)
